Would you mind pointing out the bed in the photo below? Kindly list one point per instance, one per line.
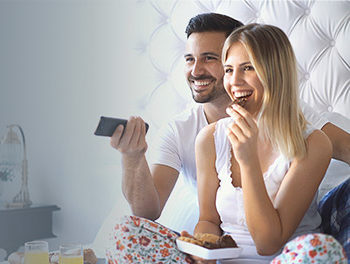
(318, 30)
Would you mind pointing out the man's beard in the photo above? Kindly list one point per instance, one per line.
(216, 92)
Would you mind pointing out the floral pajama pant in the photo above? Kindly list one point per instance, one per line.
(138, 240)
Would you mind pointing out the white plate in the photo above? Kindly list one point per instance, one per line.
(202, 252)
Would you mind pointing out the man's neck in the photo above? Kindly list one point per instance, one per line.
(216, 109)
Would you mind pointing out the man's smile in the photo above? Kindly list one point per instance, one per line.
(201, 85)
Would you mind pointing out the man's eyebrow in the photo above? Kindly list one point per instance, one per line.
(210, 53)
(203, 54)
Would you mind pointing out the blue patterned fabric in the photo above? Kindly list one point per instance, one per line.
(334, 208)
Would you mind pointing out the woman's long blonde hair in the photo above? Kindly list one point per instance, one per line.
(273, 59)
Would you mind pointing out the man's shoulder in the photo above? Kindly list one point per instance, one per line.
(188, 122)
(194, 113)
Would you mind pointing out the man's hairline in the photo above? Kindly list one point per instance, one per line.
(210, 31)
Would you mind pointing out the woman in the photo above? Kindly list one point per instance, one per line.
(258, 171)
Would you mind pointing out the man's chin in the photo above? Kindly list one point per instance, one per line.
(201, 99)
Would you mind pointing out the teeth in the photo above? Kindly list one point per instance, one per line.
(242, 94)
(201, 82)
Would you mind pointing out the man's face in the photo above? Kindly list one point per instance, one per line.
(203, 68)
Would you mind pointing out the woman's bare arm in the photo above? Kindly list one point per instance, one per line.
(271, 223)
(207, 182)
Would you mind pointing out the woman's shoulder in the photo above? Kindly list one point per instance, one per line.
(206, 132)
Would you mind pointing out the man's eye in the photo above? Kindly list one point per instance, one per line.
(248, 68)
(189, 59)
(210, 58)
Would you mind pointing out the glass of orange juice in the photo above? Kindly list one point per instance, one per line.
(71, 254)
(36, 252)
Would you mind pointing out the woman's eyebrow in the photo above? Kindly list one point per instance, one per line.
(244, 63)
(241, 64)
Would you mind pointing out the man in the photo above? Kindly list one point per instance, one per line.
(147, 189)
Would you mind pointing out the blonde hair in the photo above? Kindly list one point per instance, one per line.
(273, 59)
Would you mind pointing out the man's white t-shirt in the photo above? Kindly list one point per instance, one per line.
(174, 146)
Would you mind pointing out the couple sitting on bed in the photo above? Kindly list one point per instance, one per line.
(258, 164)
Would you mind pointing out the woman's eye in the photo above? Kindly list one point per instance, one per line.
(228, 70)
(248, 68)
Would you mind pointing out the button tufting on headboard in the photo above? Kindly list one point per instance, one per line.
(319, 32)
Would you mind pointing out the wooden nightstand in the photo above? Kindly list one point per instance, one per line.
(19, 225)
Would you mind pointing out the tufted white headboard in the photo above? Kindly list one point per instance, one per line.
(318, 30)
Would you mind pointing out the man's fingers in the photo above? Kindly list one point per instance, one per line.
(130, 139)
(142, 131)
(117, 134)
(129, 131)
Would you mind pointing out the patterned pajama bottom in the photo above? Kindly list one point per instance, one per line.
(138, 240)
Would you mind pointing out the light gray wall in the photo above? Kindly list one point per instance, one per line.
(63, 64)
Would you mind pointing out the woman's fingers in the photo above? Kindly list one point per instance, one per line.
(241, 122)
(244, 113)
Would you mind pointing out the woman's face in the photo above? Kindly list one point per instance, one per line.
(241, 80)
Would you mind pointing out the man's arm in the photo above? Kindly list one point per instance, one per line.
(340, 141)
(146, 191)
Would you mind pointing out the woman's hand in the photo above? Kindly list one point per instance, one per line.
(197, 260)
(242, 133)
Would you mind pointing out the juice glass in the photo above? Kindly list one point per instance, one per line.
(71, 254)
(36, 252)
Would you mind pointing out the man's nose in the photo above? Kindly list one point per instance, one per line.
(197, 69)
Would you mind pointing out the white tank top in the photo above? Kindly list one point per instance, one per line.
(229, 199)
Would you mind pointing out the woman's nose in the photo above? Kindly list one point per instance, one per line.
(236, 78)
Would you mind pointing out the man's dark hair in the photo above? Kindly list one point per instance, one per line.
(212, 22)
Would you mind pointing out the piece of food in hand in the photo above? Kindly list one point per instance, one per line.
(226, 241)
(240, 101)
